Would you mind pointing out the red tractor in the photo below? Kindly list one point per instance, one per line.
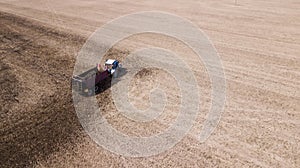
(91, 81)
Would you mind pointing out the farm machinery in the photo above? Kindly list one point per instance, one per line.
(91, 81)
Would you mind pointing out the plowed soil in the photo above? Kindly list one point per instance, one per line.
(259, 44)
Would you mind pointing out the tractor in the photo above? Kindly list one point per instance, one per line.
(91, 81)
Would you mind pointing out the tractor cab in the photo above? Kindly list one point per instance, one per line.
(111, 65)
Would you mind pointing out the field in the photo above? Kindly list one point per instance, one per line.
(259, 45)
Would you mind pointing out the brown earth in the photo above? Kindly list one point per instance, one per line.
(258, 43)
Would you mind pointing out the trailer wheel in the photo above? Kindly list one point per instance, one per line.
(96, 88)
(91, 92)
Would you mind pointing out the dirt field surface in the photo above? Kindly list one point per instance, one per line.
(259, 45)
